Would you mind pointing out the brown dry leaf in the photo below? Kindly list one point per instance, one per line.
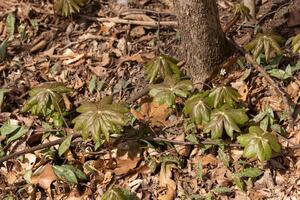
(124, 166)
(165, 180)
(182, 150)
(137, 31)
(209, 159)
(73, 60)
(44, 177)
(99, 71)
(242, 88)
(153, 112)
(293, 91)
(11, 177)
(105, 60)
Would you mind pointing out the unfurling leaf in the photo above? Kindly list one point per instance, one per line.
(166, 92)
(295, 43)
(161, 67)
(225, 118)
(103, 117)
(197, 108)
(259, 143)
(68, 7)
(118, 194)
(265, 118)
(242, 10)
(46, 99)
(266, 42)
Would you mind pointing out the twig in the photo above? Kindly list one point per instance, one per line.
(158, 139)
(153, 24)
(36, 148)
(139, 94)
(285, 98)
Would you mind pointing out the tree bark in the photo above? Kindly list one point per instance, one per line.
(205, 46)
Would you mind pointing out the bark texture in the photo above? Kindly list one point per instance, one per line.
(205, 46)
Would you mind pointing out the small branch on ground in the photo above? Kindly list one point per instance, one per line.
(285, 98)
(36, 148)
(153, 24)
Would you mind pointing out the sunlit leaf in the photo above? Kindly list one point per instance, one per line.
(223, 95)
(225, 118)
(100, 119)
(79, 174)
(265, 118)
(17, 135)
(161, 67)
(92, 84)
(267, 42)
(259, 143)
(166, 92)
(197, 108)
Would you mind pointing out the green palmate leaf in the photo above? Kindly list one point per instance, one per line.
(65, 145)
(10, 25)
(166, 92)
(225, 118)
(65, 173)
(223, 95)
(259, 143)
(242, 10)
(161, 67)
(266, 42)
(68, 7)
(103, 117)
(197, 108)
(3, 47)
(46, 98)
(250, 172)
(295, 43)
(118, 194)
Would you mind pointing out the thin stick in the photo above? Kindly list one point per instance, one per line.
(153, 24)
(36, 148)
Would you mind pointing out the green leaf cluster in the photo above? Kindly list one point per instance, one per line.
(103, 117)
(69, 173)
(68, 7)
(267, 43)
(172, 87)
(216, 111)
(118, 194)
(46, 100)
(161, 67)
(225, 118)
(259, 143)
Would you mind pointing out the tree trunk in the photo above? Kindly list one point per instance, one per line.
(205, 46)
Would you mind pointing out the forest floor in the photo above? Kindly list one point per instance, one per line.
(153, 158)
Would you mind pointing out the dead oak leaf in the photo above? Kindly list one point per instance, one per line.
(165, 180)
(153, 112)
(44, 177)
(124, 166)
